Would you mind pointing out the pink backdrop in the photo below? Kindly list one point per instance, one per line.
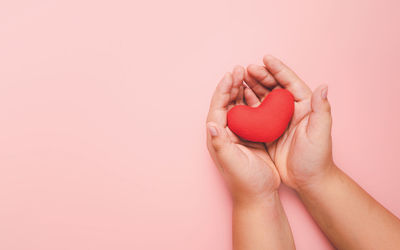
(103, 105)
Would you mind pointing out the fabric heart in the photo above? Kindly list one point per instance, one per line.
(264, 123)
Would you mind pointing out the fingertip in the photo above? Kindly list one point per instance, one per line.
(252, 69)
(324, 93)
(246, 74)
(238, 68)
(273, 64)
(226, 82)
(322, 86)
(268, 58)
(251, 66)
(212, 129)
(237, 75)
(227, 77)
(320, 121)
(319, 100)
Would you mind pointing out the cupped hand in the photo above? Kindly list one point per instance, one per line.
(303, 154)
(245, 166)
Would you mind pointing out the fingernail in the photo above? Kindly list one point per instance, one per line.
(324, 93)
(213, 130)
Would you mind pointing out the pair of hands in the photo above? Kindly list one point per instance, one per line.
(301, 157)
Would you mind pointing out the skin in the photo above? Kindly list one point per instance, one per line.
(348, 215)
(259, 221)
(303, 152)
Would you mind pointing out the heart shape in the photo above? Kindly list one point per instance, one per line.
(264, 123)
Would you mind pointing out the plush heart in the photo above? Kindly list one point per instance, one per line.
(264, 123)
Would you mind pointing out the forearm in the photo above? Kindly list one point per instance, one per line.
(348, 215)
(261, 224)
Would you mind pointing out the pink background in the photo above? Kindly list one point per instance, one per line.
(103, 105)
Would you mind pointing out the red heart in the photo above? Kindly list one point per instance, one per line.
(266, 122)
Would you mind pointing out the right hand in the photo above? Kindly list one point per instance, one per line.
(303, 154)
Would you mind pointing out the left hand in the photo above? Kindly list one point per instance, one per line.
(245, 166)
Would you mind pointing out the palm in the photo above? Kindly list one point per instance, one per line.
(251, 152)
(256, 169)
(287, 149)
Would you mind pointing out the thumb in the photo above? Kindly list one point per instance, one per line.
(218, 136)
(224, 152)
(320, 121)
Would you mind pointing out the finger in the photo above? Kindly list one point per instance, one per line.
(240, 95)
(257, 88)
(225, 153)
(251, 98)
(287, 78)
(262, 75)
(220, 100)
(219, 137)
(221, 147)
(237, 78)
(320, 120)
(222, 92)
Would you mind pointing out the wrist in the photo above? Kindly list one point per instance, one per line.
(316, 181)
(258, 200)
(267, 207)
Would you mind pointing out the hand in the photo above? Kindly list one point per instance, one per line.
(303, 154)
(245, 166)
